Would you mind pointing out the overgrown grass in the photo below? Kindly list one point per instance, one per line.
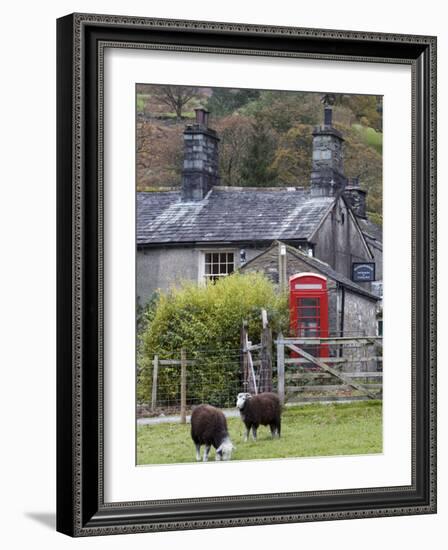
(308, 430)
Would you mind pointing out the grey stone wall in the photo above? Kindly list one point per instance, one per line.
(359, 315)
(378, 255)
(338, 241)
(359, 320)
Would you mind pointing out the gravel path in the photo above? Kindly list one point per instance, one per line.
(162, 419)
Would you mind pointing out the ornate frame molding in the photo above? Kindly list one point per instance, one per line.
(81, 42)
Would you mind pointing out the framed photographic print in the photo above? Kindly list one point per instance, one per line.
(246, 275)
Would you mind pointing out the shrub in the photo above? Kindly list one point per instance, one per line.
(206, 321)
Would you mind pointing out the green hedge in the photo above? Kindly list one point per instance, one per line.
(206, 321)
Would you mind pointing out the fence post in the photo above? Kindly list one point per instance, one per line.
(265, 382)
(282, 268)
(183, 386)
(281, 368)
(244, 359)
(155, 372)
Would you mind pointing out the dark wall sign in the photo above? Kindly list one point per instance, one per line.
(363, 272)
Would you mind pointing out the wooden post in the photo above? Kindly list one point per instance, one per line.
(155, 372)
(183, 386)
(252, 380)
(281, 368)
(244, 361)
(282, 268)
(265, 383)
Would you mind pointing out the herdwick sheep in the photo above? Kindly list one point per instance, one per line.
(264, 409)
(209, 427)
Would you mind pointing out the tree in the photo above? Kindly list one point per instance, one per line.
(292, 159)
(224, 101)
(234, 132)
(364, 161)
(159, 154)
(257, 159)
(283, 110)
(366, 108)
(175, 97)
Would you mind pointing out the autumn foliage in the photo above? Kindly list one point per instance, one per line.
(265, 136)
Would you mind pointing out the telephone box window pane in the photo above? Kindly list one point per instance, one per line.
(308, 312)
(309, 301)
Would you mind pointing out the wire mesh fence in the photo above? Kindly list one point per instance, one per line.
(335, 367)
(187, 379)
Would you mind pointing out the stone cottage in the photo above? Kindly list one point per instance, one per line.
(203, 230)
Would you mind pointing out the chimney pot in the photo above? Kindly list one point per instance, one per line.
(201, 116)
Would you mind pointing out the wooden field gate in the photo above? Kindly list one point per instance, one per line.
(352, 370)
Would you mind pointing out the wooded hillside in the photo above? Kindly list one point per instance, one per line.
(266, 136)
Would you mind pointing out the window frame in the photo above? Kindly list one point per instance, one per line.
(203, 276)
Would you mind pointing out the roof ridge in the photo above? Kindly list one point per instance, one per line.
(289, 189)
(160, 191)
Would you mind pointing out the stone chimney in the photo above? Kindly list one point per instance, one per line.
(200, 170)
(356, 197)
(327, 173)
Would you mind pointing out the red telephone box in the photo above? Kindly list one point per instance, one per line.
(308, 306)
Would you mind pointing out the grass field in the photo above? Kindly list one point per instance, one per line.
(307, 430)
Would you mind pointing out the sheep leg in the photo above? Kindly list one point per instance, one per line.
(206, 451)
(198, 452)
(275, 430)
(246, 435)
(254, 433)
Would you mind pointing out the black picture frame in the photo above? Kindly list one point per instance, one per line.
(81, 510)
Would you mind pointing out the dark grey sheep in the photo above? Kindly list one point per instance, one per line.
(262, 409)
(209, 427)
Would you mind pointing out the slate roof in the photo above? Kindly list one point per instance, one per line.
(322, 268)
(372, 232)
(229, 214)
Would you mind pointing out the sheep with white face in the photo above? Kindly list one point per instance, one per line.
(209, 427)
(262, 409)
